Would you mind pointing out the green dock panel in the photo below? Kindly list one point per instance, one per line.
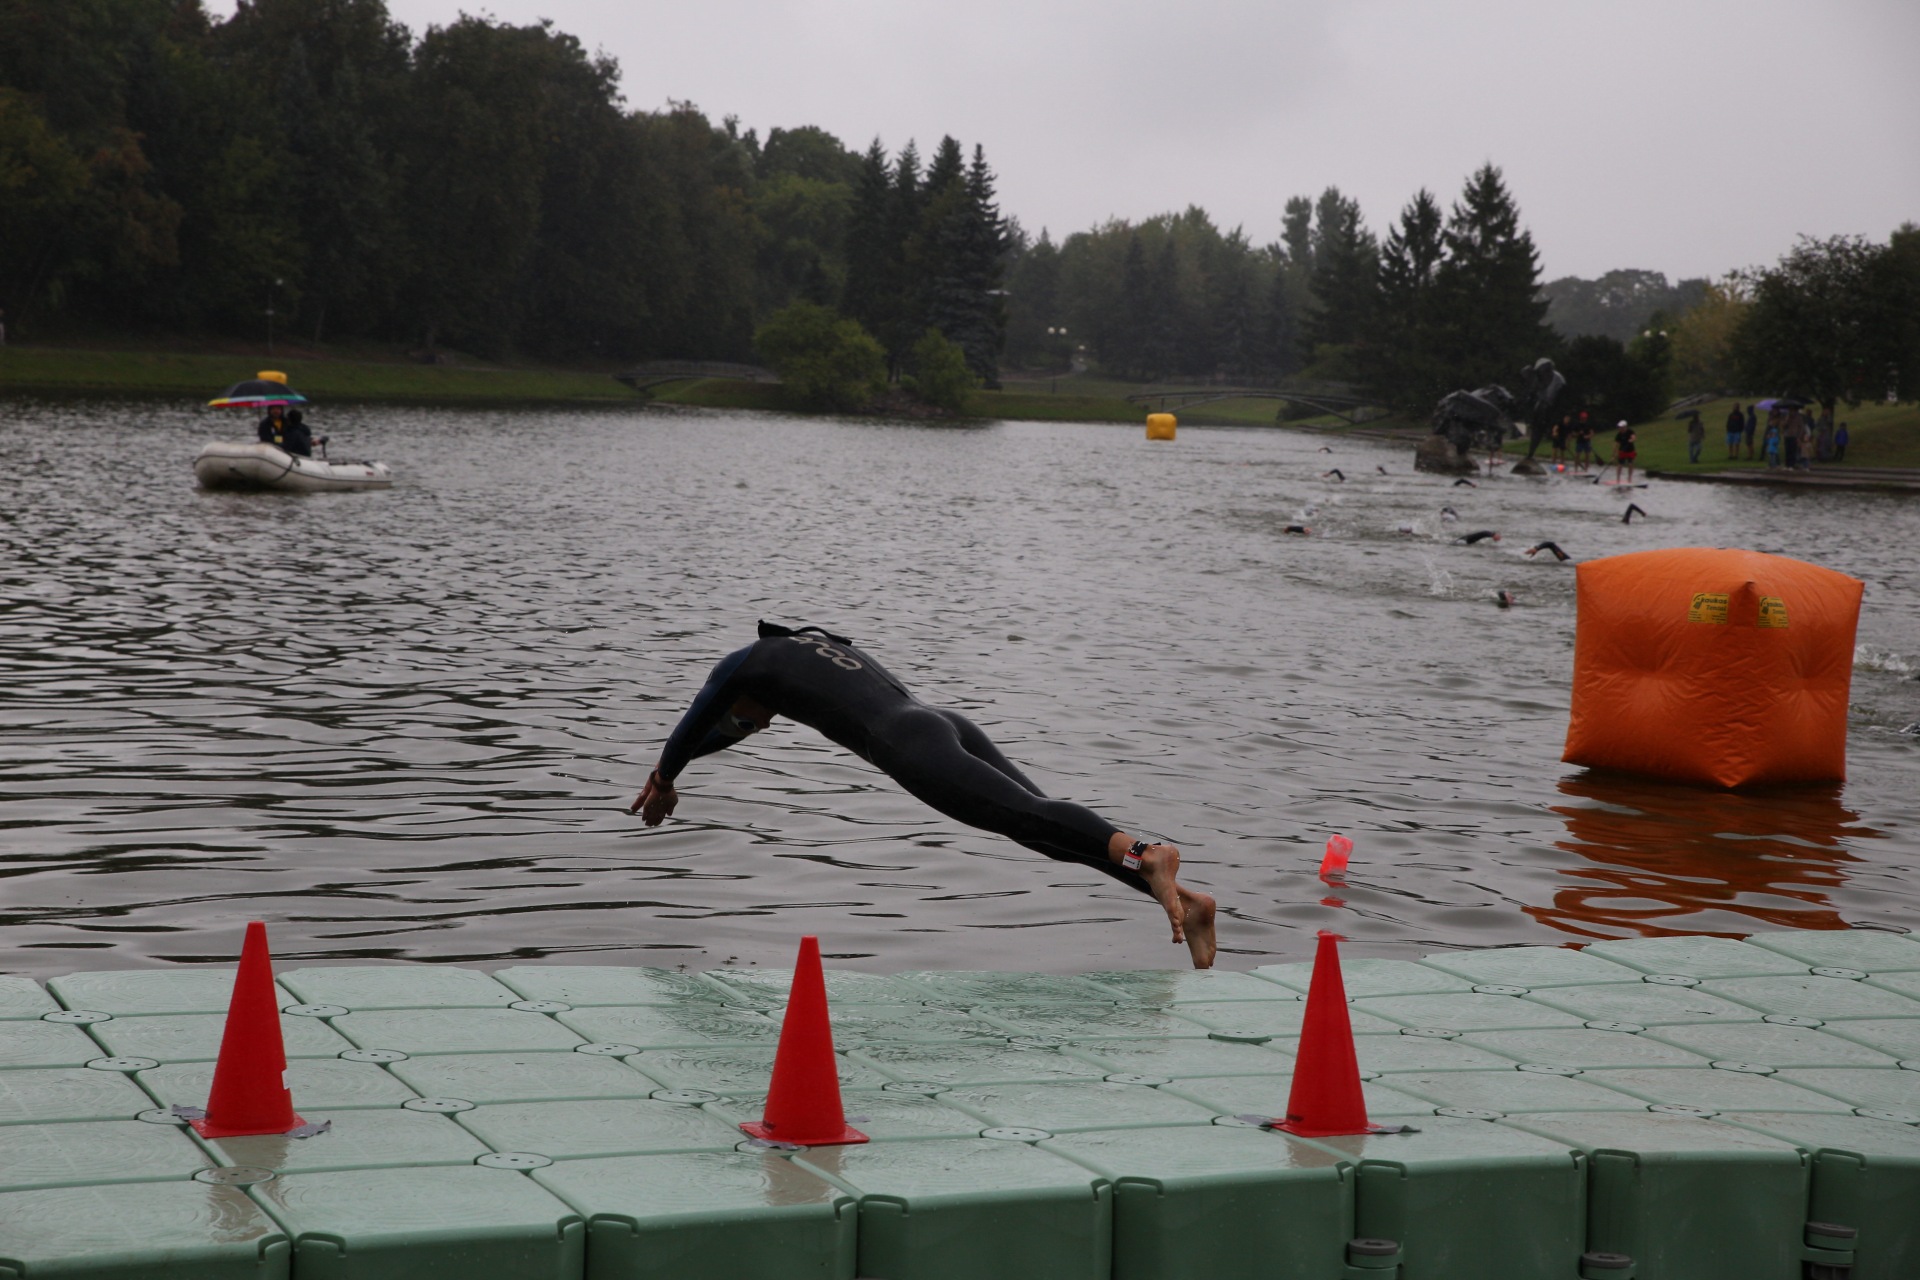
(1158, 988)
(1465, 1011)
(602, 1127)
(1866, 949)
(43, 1095)
(1774, 1044)
(1465, 1199)
(856, 1024)
(1876, 1090)
(523, 1077)
(126, 992)
(88, 1152)
(884, 1115)
(766, 987)
(387, 986)
(972, 989)
(1445, 1051)
(1517, 1089)
(1737, 1086)
(602, 984)
(1179, 1059)
(24, 998)
(1616, 1045)
(1897, 1037)
(962, 1209)
(319, 1083)
(682, 1026)
(1697, 957)
(1531, 967)
(1866, 1176)
(46, 1044)
(1278, 1019)
(436, 1223)
(1647, 1004)
(195, 1037)
(731, 1216)
(1266, 1096)
(1815, 995)
(958, 1064)
(390, 1137)
(179, 1230)
(1219, 1203)
(744, 1069)
(469, 1030)
(1072, 1106)
(1370, 977)
(1687, 1198)
(1087, 1022)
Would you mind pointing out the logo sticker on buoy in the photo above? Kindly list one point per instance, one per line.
(1773, 611)
(1709, 607)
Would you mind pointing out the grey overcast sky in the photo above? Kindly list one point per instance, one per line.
(1684, 136)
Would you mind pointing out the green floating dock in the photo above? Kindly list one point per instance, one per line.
(1663, 1109)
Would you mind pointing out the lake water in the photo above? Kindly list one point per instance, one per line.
(407, 724)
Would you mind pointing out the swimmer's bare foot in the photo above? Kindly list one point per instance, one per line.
(1189, 912)
(1197, 915)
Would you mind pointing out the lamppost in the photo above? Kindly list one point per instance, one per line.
(1059, 333)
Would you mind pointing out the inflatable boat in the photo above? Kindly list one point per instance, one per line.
(234, 465)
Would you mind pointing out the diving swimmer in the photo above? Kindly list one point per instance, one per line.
(939, 756)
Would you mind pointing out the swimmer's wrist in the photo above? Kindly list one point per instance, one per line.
(659, 782)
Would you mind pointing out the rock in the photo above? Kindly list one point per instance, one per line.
(1526, 467)
(1436, 453)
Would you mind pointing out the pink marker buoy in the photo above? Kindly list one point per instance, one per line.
(1335, 861)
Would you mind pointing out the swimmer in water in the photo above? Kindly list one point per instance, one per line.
(1478, 535)
(1554, 547)
(1381, 470)
(1464, 481)
(1449, 514)
(1335, 473)
(1504, 599)
(1297, 528)
(939, 756)
(1632, 507)
(1325, 448)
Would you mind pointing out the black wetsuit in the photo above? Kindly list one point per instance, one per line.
(940, 757)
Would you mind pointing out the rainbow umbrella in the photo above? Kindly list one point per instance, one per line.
(256, 393)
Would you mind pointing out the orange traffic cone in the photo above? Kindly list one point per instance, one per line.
(1326, 1100)
(250, 1079)
(803, 1105)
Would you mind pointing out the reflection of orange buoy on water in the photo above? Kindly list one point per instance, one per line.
(1727, 668)
(1160, 426)
(1659, 858)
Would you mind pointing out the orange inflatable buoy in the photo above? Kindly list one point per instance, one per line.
(1161, 426)
(1728, 668)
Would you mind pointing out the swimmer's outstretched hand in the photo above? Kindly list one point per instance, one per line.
(656, 801)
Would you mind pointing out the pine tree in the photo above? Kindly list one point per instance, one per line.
(1345, 266)
(1401, 365)
(1492, 320)
(870, 247)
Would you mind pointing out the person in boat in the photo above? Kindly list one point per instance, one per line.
(939, 756)
(297, 436)
(273, 427)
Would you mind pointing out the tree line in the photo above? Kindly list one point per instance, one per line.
(484, 187)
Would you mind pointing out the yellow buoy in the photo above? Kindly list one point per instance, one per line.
(272, 375)
(1160, 426)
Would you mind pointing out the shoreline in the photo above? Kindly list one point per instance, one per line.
(1886, 437)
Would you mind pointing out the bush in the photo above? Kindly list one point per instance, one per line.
(1610, 381)
(824, 360)
(938, 372)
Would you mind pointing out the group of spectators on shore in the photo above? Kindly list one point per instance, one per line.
(1794, 437)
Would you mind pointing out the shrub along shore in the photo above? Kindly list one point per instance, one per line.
(1883, 435)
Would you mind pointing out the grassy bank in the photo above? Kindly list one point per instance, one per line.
(1883, 435)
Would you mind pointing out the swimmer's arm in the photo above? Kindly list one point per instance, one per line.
(696, 735)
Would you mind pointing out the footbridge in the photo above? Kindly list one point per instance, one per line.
(1338, 399)
(643, 377)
